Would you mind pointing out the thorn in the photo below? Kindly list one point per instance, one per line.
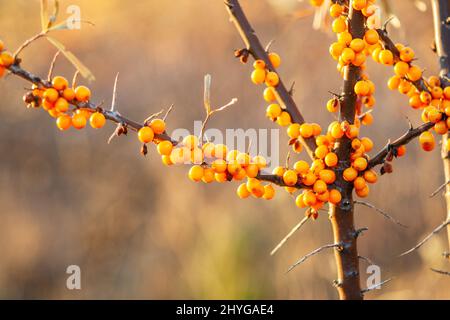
(269, 45)
(114, 98)
(291, 89)
(375, 286)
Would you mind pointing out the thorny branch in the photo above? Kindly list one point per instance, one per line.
(312, 253)
(428, 237)
(386, 215)
(289, 235)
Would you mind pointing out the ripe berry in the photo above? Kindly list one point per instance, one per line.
(359, 183)
(69, 94)
(302, 167)
(309, 179)
(51, 95)
(336, 49)
(60, 83)
(78, 121)
(275, 59)
(293, 131)
(6, 59)
(82, 93)
(309, 198)
(441, 127)
(394, 82)
(331, 159)
(335, 196)
(348, 55)
(319, 186)
(362, 193)
(333, 105)
(208, 150)
(359, 4)
(208, 175)
(328, 176)
(339, 25)
(290, 178)
(360, 164)
(97, 120)
(401, 151)
(367, 143)
(242, 191)
(350, 174)
(251, 170)
(260, 161)
(370, 176)
(272, 79)
(146, 135)
(196, 173)
(357, 45)
(165, 148)
(221, 177)
(269, 192)
(317, 129)
(336, 10)
(306, 130)
(190, 142)
(299, 201)
(158, 126)
(426, 140)
(386, 57)
(61, 105)
(269, 94)
(278, 171)
(406, 54)
(321, 152)
(345, 38)
(284, 119)
(336, 131)
(64, 122)
(367, 119)
(258, 76)
(259, 64)
(371, 36)
(362, 88)
(401, 68)
(274, 110)
(220, 151)
(414, 73)
(219, 165)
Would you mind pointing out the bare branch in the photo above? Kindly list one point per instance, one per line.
(168, 112)
(386, 215)
(366, 260)
(28, 42)
(289, 235)
(439, 189)
(428, 237)
(114, 97)
(52, 66)
(376, 286)
(446, 273)
(312, 253)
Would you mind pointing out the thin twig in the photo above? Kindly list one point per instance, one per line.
(28, 42)
(289, 235)
(386, 215)
(428, 237)
(52, 66)
(75, 78)
(114, 97)
(439, 189)
(312, 253)
(446, 273)
(366, 260)
(376, 286)
(153, 116)
(168, 112)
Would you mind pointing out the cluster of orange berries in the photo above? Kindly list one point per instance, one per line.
(57, 99)
(6, 59)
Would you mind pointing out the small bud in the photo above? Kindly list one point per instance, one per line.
(144, 150)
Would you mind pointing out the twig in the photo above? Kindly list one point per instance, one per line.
(28, 42)
(366, 260)
(75, 78)
(446, 273)
(312, 253)
(375, 286)
(439, 189)
(428, 237)
(289, 235)
(152, 116)
(114, 97)
(52, 66)
(386, 215)
(168, 112)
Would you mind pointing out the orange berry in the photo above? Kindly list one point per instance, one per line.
(319, 186)
(78, 121)
(306, 130)
(425, 97)
(335, 196)
(146, 134)
(406, 54)
(362, 88)
(394, 82)
(290, 178)
(309, 198)
(6, 59)
(336, 131)
(269, 94)
(386, 57)
(436, 93)
(328, 176)
(333, 105)
(414, 73)
(278, 171)
(362, 193)
(359, 4)
(336, 10)
(269, 192)
(367, 119)
(309, 179)
(344, 38)
(252, 170)
(219, 165)
(401, 68)
(272, 79)
(275, 59)
(259, 64)
(208, 175)
(371, 36)
(61, 105)
(441, 127)
(348, 55)
(426, 140)
(447, 93)
(331, 159)
(370, 176)
(336, 49)
(60, 83)
(321, 152)
(221, 177)
(299, 202)
(158, 126)
(359, 183)
(64, 122)
(339, 25)
(69, 94)
(293, 131)
(317, 129)
(258, 76)
(401, 151)
(51, 95)
(357, 45)
(196, 173)
(165, 148)
(97, 120)
(323, 196)
(360, 164)
(274, 110)
(190, 142)
(284, 119)
(352, 131)
(166, 160)
(302, 167)
(82, 93)
(208, 150)
(367, 143)
(350, 174)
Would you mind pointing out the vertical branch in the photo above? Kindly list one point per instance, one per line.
(341, 215)
(441, 12)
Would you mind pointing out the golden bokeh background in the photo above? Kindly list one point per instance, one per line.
(138, 229)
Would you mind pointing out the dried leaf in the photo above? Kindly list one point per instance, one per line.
(84, 71)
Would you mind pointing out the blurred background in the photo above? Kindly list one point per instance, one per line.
(138, 229)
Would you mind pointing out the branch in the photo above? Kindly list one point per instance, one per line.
(446, 273)
(440, 188)
(312, 253)
(258, 52)
(375, 286)
(386, 215)
(428, 237)
(409, 135)
(289, 235)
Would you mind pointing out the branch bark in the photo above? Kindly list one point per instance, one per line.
(341, 215)
(441, 12)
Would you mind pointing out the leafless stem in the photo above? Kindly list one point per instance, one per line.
(312, 253)
(28, 42)
(114, 97)
(446, 273)
(52, 66)
(428, 237)
(375, 286)
(439, 189)
(386, 215)
(289, 235)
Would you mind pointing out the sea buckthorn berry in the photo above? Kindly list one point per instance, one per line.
(78, 121)
(348, 55)
(369, 101)
(345, 38)
(284, 119)
(359, 183)
(98, 120)
(306, 130)
(436, 93)
(208, 150)
(309, 179)
(317, 165)
(359, 60)
(323, 196)
(323, 140)
(166, 160)
(177, 156)
(362, 88)
(252, 183)
(258, 76)
(2, 45)
(404, 86)
(316, 3)
(414, 73)
(190, 142)
(328, 176)
(208, 175)
(51, 95)
(196, 173)
(232, 155)
(243, 159)
(60, 83)
(219, 165)
(434, 81)
(317, 129)
(299, 201)
(401, 151)
(426, 140)
(301, 166)
(356, 144)
(425, 97)
(252, 170)
(350, 174)
(370, 176)
(362, 193)
(386, 57)
(339, 25)
(269, 94)
(84, 112)
(233, 167)
(371, 36)
(260, 161)
(221, 177)
(279, 171)
(272, 79)
(335, 196)
(145, 134)
(6, 59)
(61, 105)
(64, 122)
(319, 186)
(259, 64)
(401, 68)
(369, 10)
(321, 152)
(274, 110)
(331, 159)
(69, 94)
(82, 93)
(447, 145)
(447, 93)
(376, 54)
(394, 82)
(290, 178)
(158, 126)
(336, 49)
(367, 119)
(441, 127)
(357, 45)
(336, 131)
(275, 59)
(309, 198)
(336, 10)
(269, 192)
(352, 131)
(164, 148)
(293, 131)
(360, 164)
(434, 115)
(406, 54)
(359, 4)
(333, 105)
(414, 101)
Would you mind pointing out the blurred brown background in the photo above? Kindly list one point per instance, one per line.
(141, 230)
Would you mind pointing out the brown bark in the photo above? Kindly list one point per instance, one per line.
(342, 215)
